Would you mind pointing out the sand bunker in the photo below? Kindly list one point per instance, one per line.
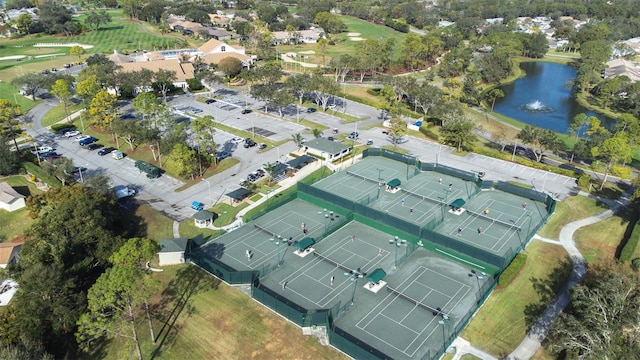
(307, 52)
(13, 57)
(353, 34)
(84, 46)
(355, 38)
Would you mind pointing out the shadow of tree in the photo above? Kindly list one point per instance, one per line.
(176, 300)
(547, 290)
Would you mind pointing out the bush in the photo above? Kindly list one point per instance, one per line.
(37, 171)
(428, 133)
(512, 270)
(623, 172)
(374, 91)
(584, 180)
(194, 84)
(632, 244)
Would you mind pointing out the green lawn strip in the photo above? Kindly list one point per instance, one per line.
(7, 91)
(571, 209)
(226, 213)
(39, 173)
(246, 134)
(57, 114)
(310, 124)
(599, 242)
(13, 224)
(199, 317)
(189, 230)
(501, 324)
(157, 225)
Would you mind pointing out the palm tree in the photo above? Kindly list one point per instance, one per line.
(297, 139)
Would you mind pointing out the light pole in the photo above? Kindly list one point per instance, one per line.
(379, 180)
(478, 277)
(396, 243)
(354, 276)
(209, 185)
(444, 337)
(326, 218)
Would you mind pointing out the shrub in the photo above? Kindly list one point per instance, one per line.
(428, 133)
(374, 91)
(630, 247)
(512, 270)
(621, 171)
(194, 84)
(584, 180)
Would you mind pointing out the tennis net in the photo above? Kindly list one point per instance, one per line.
(364, 177)
(434, 311)
(336, 264)
(423, 197)
(265, 230)
(495, 221)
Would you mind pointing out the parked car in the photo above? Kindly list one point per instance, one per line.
(50, 154)
(311, 110)
(71, 133)
(127, 116)
(330, 138)
(105, 151)
(222, 155)
(262, 146)
(385, 132)
(117, 155)
(249, 143)
(353, 136)
(261, 172)
(210, 101)
(77, 169)
(237, 140)
(253, 177)
(246, 111)
(124, 191)
(369, 142)
(81, 137)
(87, 141)
(42, 150)
(94, 147)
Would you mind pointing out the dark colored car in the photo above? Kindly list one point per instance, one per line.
(210, 101)
(77, 169)
(87, 141)
(253, 177)
(94, 147)
(127, 116)
(246, 111)
(249, 143)
(311, 110)
(105, 151)
(261, 172)
(330, 138)
(222, 155)
(50, 156)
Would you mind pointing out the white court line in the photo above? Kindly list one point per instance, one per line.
(460, 259)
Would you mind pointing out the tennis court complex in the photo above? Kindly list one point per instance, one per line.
(391, 258)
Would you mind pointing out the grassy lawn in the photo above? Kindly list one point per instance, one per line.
(599, 242)
(14, 223)
(158, 226)
(572, 209)
(198, 317)
(58, 113)
(189, 230)
(502, 322)
(7, 91)
(227, 213)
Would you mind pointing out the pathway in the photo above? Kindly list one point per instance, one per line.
(531, 343)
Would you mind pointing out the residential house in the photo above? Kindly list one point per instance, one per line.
(10, 199)
(213, 51)
(310, 36)
(622, 67)
(183, 71)
(9, 254)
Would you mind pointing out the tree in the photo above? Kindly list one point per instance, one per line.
(88, 88)
(9, 160)
(495, 66)
(397, 130)
(61, 168)
(24, 24)
(602, 320)
(164, 82)
(77, 51)
(102, 111)
(493, 95)
(330, 23)
(459, 133)
(576, 126)
(204, 129)
(9, 113)
(297, 139)
(613, 150)
(30, 84)
(540, 140)
(322, 48)
(62, 90)
(230, 66)
(182, 161)
(317, 133)
(323, 88)
(148, 105)
(299, 84)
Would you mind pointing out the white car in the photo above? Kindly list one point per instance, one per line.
(82, 137)
(237, 140)
(72, 133)
(42, 150)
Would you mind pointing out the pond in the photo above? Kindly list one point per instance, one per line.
(544, 97)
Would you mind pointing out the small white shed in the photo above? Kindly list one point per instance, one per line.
(172, 251)
(10, 199)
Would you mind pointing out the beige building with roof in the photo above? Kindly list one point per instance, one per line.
(622, 67)
(9, 254)
(10, 199)
(183, 71)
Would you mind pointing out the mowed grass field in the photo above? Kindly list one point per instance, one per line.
(344, 44)
(571, 209)
(198, 317)
(502, 322)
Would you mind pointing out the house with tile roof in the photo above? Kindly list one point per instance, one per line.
(9, 254)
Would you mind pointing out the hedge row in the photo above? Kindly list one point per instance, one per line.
(40, 174)
(632, 244)
(526, 162)
(512, 270)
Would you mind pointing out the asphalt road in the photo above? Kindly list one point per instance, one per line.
(160, 193)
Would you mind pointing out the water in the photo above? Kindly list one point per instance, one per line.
(544, 97)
